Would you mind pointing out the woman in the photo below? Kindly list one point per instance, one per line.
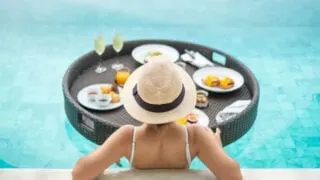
(157, 94)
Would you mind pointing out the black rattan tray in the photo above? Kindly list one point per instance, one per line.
(97, 125)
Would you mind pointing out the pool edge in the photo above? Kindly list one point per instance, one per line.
(118, 174)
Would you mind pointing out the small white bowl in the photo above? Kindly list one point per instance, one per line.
(92, 94)
(103, 100)
(92, 97)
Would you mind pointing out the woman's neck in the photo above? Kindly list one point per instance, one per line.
(157, 127)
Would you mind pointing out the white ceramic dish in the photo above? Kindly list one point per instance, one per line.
(203, 118)
(221, 72)
(141, 52)
(86, 102)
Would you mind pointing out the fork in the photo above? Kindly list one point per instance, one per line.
(192, 54)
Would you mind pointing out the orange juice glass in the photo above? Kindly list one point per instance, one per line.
(122, 76)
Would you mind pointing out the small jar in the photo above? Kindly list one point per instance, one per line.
(202, 99)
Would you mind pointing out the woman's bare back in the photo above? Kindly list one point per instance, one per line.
(162, 147)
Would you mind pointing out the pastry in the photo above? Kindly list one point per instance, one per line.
(211, 81)
(226, 83)
(105, 89)
(114, 97)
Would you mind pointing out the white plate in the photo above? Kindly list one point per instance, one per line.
(141, 52)
(83, 99)
(220, 72)
(203, 118)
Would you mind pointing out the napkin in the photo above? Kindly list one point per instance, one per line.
(232, 110)
(200, 61)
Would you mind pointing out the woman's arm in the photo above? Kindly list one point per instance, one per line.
(217, 134)
(211, 153)
(115, 147)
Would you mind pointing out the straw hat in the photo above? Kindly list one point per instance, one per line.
(159, 92)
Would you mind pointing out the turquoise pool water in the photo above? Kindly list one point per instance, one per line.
(278, 40)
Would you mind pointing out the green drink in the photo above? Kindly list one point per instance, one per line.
(117, 43)
(99, 45)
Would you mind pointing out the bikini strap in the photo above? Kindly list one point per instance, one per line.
(188, 154)
(133, 145)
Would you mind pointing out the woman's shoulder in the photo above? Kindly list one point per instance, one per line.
(124, 132)
(196, 129)
(197, 132)
(126, 129)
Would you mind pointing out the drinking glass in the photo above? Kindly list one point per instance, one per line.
(122, 75)
(100, 46)
(117, 44)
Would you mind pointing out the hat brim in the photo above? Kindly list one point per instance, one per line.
(142, 115)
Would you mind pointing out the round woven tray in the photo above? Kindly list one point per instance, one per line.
(99, 125)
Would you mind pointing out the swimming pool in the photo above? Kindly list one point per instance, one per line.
(279, 41)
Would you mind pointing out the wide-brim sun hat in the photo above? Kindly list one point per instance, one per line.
(159, 92)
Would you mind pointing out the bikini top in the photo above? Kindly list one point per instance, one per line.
(188, 154)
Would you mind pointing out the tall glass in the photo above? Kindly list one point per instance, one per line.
(117, 44)
(122, 75)
(100, 47)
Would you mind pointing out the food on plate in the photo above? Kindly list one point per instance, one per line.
(154, 53)
(92, 94)
(192, 118)
(151, 54)
(226, 83)
(182, 121)
(215, 81)
(211, 80)
(202, 99)
(111, 91)
(114, 88)
(114, 97)
(105, 89)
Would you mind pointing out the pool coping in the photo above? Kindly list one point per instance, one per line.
(119, 174)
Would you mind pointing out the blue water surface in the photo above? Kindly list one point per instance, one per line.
(278, 40)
